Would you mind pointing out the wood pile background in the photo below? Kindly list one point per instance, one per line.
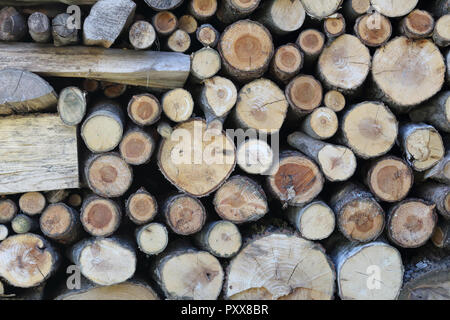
(348, 198)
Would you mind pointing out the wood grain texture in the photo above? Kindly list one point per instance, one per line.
(38, 2)
(38, 152)
(159, 70)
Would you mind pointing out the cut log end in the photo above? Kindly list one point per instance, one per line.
(221, 238)
(321, 124)
(390, 179)
(418, 24)
(319, 10)
(441, 35)
(218, 97)
(179, 41)
(373, 29)
(334, 26)
(165, 22)
(26, 260)
(72, 106)
(8, 209)
(184, 214)
(297, 180)
(142, 35)
(315, 221)
(136, 147)
(207, 35)
(240, 200)
(255, 156)
(22, 224)
(60, 223)
(394, 9)
(32, 203)
(144, 109)
(3, 235)
(141, 207)
(335, 100)
(12, 25)
(311, 42)
(39, 27)
(152, 239)
(337, 163)
(287, 62)
(159, 5)
(411, 223)
(100, 217)
(203, 9)
(188, 23)
(178, 105)
(205, 64)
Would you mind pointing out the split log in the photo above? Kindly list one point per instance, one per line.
(184, 214)
(410, 223)
(320, 124)
(137, 146)
(179, 41)
(60, 223)
(435, 112)
(438, 194)
(103, 127)
(282, 16)
(334, 100)
(160, 5)
(104, 261)
(334, 26)
(32, 203)
(108, 175)
(255, 156)
(23, 224)
(141, 207)
(240, 200)
(152, 239)
(188, 23)
(344, 65)
(314, 221)
(355, 8)
(27, 260)
(422, 145)
(100, 217)
(246, 48)
(427, 276)
(441, 171)
(56, 196)
(441, 235)
(24, 91)
(296, 181)
(43, 142)
(200, 278)
(177, 105)
(193, 165)
(261, 106)
(217, 97)
(220, 238)
(336, 162)
(394, 9)
(321, 9)
(72, 105)
(370, 129)
(232, 10)
(307, 273)
(3, 235)
(287, 62)
(144, 109)
(358, 214)
(373, 29)
(128, 290)
(13, 26)
(142, 35)
(372, 271)
(106, 21)
(205, 64)
(441, 34)
(207, 35)
(417, 25)
(158, 70)
(389, 178)
(165, 23)
(62, 34)
(311, 42)
(39, 27)
(8, 210)
(406, 73)
(203, 9)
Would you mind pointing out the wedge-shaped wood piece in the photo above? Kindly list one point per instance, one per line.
(38, 152)
(159, 70)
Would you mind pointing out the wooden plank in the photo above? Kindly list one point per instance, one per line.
(159, 70)
(37, 152)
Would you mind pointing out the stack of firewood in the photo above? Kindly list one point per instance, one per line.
(225, 149)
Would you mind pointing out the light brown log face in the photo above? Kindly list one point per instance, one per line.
(190, 162)
(184, 214)
(240, 200)
(203, 9)
(207, 35)
(100, 217)
(153, 238)
(32, 203)
(144, 109)
(26, 260)
(390, 179)
(408, 72)
(373, 29)
(334, 26)
(122, 291)
(141, 207)
(8, 209)
(165, 22)
(137, 147)
(55, 220)
(188, 24)
(308, 275)
(304, 94)
(411, 223)
(334, 100)
(418, 24)
(246, 48)
(311, 41)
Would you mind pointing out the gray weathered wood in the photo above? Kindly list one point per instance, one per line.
(160, 5)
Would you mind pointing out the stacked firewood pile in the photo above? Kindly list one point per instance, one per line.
(224, 149)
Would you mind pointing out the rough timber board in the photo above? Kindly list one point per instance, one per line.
(37, 153)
